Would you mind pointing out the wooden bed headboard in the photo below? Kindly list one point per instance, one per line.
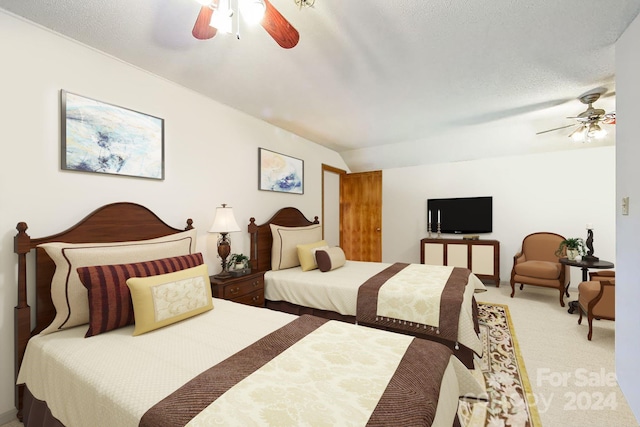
(261, 239)
(116, 222)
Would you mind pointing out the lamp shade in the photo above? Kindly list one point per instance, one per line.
(224, 221)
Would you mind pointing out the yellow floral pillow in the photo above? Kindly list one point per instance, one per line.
(169, 298)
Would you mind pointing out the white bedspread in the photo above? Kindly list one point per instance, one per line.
(299, 376)
(112, 379)
(337, 290)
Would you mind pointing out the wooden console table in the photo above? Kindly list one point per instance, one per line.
(482, 257)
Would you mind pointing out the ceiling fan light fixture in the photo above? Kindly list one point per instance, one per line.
(304, 3)
(578, 134)
(221, 17)
(252, 11)
(595, 131)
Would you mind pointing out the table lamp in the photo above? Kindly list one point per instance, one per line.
(224, 223)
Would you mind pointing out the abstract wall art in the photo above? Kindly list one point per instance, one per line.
(104, 138)
(280, 173)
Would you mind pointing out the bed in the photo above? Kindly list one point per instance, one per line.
(227, 364)
(354, 292)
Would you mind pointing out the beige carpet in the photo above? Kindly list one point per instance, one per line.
(572, 379)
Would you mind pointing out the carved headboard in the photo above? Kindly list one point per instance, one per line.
(261, 239)
(116, 222)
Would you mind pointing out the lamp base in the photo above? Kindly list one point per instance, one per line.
(223, 275)
(224, 249)
(590, 258)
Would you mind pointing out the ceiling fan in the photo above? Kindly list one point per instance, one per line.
(216, 15)
(589, 121)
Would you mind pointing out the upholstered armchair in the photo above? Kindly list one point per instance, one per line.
(600, 275)
(597, 298)
(537, 264)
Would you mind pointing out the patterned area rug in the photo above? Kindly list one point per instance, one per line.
(510, 401)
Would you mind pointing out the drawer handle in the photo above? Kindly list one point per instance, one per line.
(256, 283)
(234, 291)
(255, 298)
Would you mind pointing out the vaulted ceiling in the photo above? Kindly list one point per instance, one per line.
(384, 83)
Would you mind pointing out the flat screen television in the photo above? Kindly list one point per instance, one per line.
(462, 215)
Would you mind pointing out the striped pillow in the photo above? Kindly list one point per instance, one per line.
(110, 305)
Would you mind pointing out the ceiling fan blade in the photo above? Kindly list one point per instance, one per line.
(551, 130)
(278, 27)
(202, 30)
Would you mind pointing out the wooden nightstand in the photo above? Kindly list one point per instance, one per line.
(247, 289)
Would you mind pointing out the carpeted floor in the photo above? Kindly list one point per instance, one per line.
(572, 378)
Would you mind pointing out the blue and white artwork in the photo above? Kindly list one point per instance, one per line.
(104, 138)
(280, 173)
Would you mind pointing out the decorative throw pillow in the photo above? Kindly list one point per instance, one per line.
(169, 298)
(110, 305)
(307, 256)
(285, 239)
(67, 293)
(330, 259)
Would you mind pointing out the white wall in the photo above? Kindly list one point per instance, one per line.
(530, 193)
(211, 156)
(628, 227)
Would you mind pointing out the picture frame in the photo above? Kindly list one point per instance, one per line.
(104, 138)
(279, 172)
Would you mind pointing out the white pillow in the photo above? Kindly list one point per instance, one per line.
(70, 297)
(284, 252)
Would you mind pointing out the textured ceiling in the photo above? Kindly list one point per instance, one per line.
(385, 83)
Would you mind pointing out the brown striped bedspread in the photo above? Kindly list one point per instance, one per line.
(450, 304)
(410, 398)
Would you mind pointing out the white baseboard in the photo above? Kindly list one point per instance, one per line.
(8, 416)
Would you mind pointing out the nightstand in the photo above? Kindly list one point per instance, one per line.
(247, 289)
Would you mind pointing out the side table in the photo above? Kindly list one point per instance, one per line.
(247, 289)
(584, 265)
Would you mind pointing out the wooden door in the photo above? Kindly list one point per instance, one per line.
(361, 216)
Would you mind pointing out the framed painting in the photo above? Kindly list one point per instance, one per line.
(104, 138)
(280, 173)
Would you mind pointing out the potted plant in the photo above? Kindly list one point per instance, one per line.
(238, 262)
(572, 247)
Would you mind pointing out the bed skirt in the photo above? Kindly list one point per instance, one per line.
(464, 354)
(287, 307)
(36, 413)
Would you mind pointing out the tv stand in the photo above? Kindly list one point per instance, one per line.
(482, 257)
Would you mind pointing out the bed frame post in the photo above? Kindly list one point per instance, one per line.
(22, 311)
(253, 232)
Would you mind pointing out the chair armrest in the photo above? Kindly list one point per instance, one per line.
(603, 288)
(518, 258)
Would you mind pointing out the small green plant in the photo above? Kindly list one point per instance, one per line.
(572, 243)
(238, 259)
